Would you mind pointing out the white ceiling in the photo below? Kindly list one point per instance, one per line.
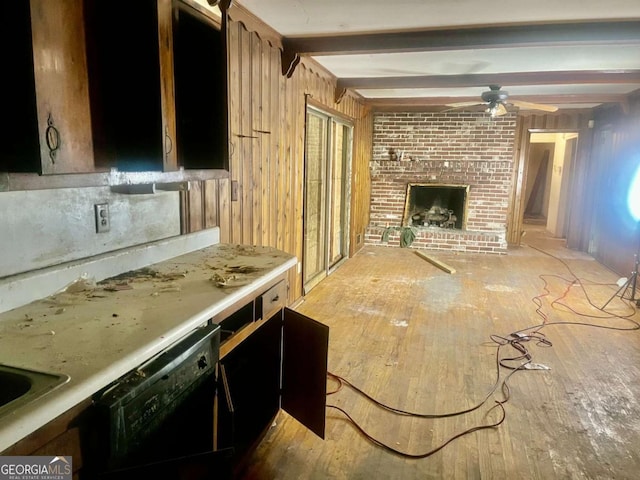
(491, 60)
(330, 18)
(312, 17)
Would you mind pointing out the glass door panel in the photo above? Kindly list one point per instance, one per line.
(338, 205)
(315, 197)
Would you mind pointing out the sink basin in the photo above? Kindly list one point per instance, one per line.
(19, 386)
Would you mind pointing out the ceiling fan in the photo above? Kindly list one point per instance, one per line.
(496, 102)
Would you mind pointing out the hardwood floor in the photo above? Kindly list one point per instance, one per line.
(417, 338)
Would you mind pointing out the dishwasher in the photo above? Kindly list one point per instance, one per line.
(158, 418)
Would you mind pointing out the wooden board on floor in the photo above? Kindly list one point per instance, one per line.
(441, 265)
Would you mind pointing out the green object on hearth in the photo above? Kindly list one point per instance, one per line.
(407, 235)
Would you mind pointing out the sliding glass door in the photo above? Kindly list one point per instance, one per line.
(327, 181)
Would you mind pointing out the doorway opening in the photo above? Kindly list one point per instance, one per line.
(549, 167)
(328, 147)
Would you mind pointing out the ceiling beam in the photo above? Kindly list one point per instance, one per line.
(486, 79)
(584, 33)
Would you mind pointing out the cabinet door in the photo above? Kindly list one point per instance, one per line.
(200, 83)
(21, 148)
(62, 92)
(167, 88)
(130, 59)
(304, 370)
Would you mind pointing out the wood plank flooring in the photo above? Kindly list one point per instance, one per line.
(417, 338)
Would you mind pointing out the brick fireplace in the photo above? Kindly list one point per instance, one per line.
(462, 150)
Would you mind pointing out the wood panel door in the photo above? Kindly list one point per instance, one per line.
(328, 148)
(305, 350)
(61, 87)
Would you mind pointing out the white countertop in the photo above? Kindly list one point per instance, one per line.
(98, 334)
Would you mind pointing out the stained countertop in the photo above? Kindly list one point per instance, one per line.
(96, 332)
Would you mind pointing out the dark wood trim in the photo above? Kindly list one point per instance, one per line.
(485, 79)
(33, 181)
(311, 102)
(290, 60)
(45, 434)
(585, 33)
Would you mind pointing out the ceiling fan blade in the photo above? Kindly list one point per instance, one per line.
(464, 104)
(533, 106)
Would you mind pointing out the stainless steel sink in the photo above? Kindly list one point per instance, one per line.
(19, 386)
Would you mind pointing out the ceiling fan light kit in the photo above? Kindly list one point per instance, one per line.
(496, 101)
(496, 109)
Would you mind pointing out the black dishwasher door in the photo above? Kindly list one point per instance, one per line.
(157, 420)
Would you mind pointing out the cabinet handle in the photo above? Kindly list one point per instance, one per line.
(168, 143)
(275, 299)
(53, 139)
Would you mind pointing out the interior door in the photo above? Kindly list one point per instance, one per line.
(327, 181)
(305, 347)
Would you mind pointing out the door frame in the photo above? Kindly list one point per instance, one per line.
(521, 170)
(332, 117)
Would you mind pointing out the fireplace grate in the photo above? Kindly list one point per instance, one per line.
(436, 205)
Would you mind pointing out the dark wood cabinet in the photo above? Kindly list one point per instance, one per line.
(283, 363)
(64, 435)
(48, 118)
(95, 85)
(249, 388)
(21, 153)
(129, 53)
(200, 89)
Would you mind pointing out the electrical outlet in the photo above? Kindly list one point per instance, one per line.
(103, 222)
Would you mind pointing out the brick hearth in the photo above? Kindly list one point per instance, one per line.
(468, 148)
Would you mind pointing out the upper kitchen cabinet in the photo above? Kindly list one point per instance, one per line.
(48, 118)
(200, 89)
(96, 85)
(130, 64)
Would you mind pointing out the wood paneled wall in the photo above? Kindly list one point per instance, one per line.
(361, 178)
(578, 121)
(261, 203)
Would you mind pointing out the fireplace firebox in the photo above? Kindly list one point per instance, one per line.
(436, 205)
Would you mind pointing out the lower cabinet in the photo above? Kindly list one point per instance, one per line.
(282, 364)
(248, 394)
